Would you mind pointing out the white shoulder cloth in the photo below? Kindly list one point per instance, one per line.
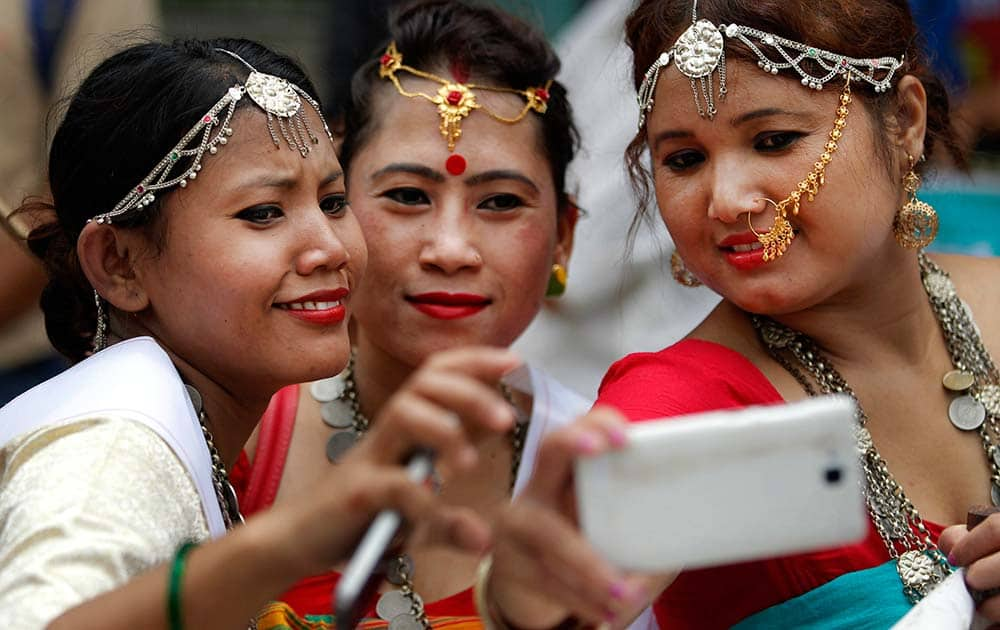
(134, 379)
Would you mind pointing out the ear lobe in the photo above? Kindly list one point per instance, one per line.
(106, 257)
(565, 231)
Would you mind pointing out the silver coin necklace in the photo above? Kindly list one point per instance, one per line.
(340, 409)
(976, 384)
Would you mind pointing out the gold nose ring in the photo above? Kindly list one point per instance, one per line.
(777, 239)
(750, 217)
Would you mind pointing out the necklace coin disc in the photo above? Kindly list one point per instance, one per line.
(400, 568)
(958, 380)
(327, 389)
(966, 413)
(338, 445)
(195, 396)
(392, 604)
(337, 414)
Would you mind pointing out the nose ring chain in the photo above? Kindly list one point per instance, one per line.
(777, 239)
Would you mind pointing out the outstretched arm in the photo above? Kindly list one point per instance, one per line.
(224, 582)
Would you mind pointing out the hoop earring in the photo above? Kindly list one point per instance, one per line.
(557, 281)
(101, 331)
(777, 239)
(682, 275)
(916, 224)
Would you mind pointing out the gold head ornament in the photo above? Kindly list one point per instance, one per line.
(456, 100)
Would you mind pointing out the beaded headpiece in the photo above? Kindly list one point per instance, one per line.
(700, 52)
(278, 98)
(455, 99)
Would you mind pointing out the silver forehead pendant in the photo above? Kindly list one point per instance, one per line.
(281, 99)
(699, 51)
(273, 94)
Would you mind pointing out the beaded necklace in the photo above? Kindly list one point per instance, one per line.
(975, 381)
(340, 408)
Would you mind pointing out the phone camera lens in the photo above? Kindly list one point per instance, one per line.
(833, 475)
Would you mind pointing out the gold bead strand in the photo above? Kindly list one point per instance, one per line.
(777, 239)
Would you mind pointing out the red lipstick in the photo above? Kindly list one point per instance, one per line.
(324, 307)
(736, 252)
(443, 305)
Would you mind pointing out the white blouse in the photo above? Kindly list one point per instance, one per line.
(84, 507)
(104, 473)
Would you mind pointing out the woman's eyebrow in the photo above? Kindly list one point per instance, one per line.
(413, 169)
(500, 174)
(765, 112)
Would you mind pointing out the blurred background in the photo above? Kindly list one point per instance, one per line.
(615, 304)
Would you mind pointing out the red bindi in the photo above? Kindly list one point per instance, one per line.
(455, 164)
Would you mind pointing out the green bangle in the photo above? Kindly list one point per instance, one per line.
(174, 618)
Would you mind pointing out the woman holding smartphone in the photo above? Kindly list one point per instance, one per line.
(786, 146)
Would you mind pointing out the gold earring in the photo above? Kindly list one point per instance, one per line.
(916, 223)
(681, 273)
(777, 239)
(557, 281)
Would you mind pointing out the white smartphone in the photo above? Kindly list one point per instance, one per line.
(726, 486)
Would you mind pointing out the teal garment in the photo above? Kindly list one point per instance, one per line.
(870, 599)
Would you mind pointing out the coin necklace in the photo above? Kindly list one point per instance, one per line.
(920, 564)
(340, 408)
(224, 492)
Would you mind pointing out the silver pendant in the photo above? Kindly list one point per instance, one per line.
(918, 571)
(327, 389)
(405, 621)
(399, 569)
(698, 50)
(966, 413)
(273, 94)
(995, 495)
(195, 396)
(338, 445)
(337, 414)
(393, 604)
(958, 380)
